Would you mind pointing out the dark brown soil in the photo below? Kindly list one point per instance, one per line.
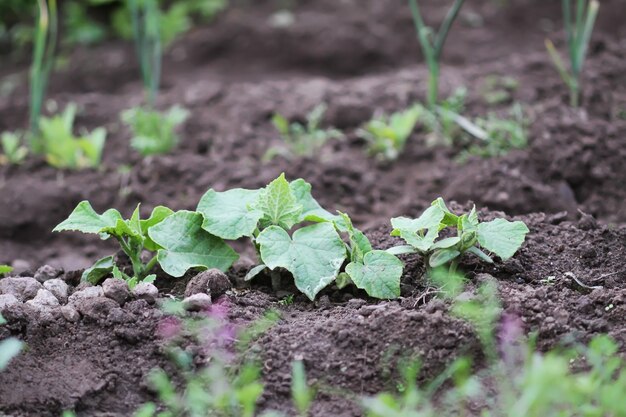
(358, 57)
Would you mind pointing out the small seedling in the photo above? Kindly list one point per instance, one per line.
(497, 89)
(302, 139)
(387, 135)
(62, 149)
(442, 123)
(313, 254)
(501, 237)
(578, 28)
(13, 152)
(146, 32)
(5, 269)
(432, 45)
(177, 239)
(301, 393)
(9, 348)
(154, 132)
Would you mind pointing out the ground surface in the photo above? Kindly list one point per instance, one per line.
(358, 57)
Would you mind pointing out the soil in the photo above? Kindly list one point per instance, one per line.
(358, 57)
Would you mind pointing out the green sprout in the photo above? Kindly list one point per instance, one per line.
(578, 29)
(302, 139)
(387, 135)
(13, 152)
(432, 45)
(145, 17)
(154, 132)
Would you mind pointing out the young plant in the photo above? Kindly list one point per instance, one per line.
(5, 269)
(146, 20)
(13, 152)
(301, 393)
(62, 149)
(578, 29)
(442, 124)
(154, 132)
(387, 135)
(302, 139)
(9, 348)
(313, 254)
(43, 59)
(176, 238)
(432, 45)
(500, 237)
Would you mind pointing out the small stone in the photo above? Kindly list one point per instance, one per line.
(58, 288)
(116, 289)
(44, 300)
(89, 292)
(7, 300)
(212, 281)
(23, 288)
(356, 302)
(20, 266)
(70, 314)
(197, 302)
(46, 273)
(146, 291)
(95, 308)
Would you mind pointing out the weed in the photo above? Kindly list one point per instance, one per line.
(497, 89)
(13, 152)
(154, 132)
(578, 28)
(5, 269)
(302, 139)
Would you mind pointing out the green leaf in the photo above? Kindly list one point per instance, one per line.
(311, 209)
(226, 214)
(9, 348)
(254, 272)
(482, 255)
(343, 280)
(408, 229)
(281, 124)
(102, 268)
(446, 243)
(359, 243)
(159, 213)
(122, 229)
(278, 204)
(502, 237)
(313, 256)
(379, 274)
(449, 219)
(85, 219)
(442, 256)
(186, 245)
(5, 269)
(401, 250)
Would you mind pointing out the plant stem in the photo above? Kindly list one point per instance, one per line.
(151, 263)
(145, 17)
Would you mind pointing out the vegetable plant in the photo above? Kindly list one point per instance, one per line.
(313, 253)
(154, 132)
(175, 241)
(302, 139)
(145, 19)
(578, 28)
(13, 152)
(387, 135)
(9, 348)
(432, 44)
(62, 149)
(500, 237)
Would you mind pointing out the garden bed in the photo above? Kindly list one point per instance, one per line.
(357, 57)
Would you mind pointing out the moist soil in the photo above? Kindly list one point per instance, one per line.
(359, 57)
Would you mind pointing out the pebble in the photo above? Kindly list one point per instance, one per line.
(7, 300)
(23, 288)
(58, 288)
(197, 302)
(85, 293)
(117, 290)
(20, 266)
(46, 273)
(44, 300)
(212, 281)
(146, 291)
(70, 314)
(95, 308)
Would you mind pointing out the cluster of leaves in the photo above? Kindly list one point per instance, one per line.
(314, 253)
(497, 89)
(9, 348)
(302, 139)
(154, 132)
(177, 239)
(500, 237)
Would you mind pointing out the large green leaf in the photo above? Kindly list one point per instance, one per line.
(311, 209)
(313, 255)
(502, 237)
(278, 204)
(85, 219)
(379, 274)
(229, 214)
(186, 245)
(411, 230)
